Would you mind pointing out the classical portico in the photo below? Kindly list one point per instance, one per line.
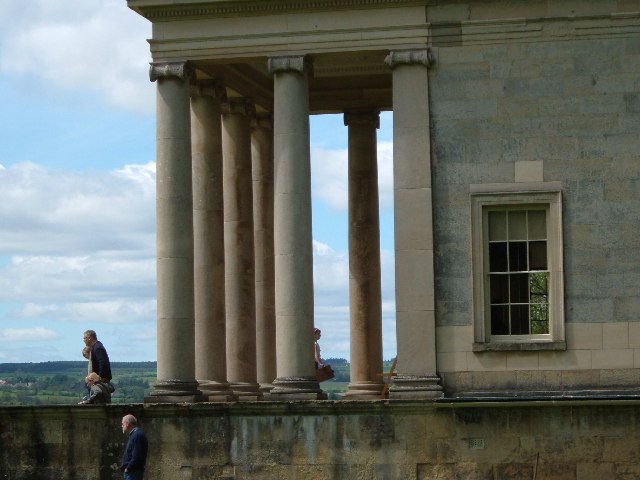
(235, 309)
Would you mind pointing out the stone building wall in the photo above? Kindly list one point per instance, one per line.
(409, 440)
(535, 96)
(561, 95)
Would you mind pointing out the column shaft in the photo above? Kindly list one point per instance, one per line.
(239, 250)
(174, 211)
(262, 159)
(208, 228)
(415, 296)
(293, 253)
(365, 304)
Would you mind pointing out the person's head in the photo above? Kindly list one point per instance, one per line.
(86, 352)
(90, 338)
(129, 422)
(316, 333)
(92, 378)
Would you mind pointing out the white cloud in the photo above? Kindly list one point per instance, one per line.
(35, 334)
(95, 277)
(53, 212)
(147, 333)
(79, 44)
(114, 311)
(330, 177)
(331, 298)
(77, 251)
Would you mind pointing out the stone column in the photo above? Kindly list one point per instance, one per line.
(365, 303)
(238, 247)
(174, 219)
(293, 252)
(208, 236)
(262, 160)
(415, 299)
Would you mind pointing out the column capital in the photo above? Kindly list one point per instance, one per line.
(299, 63)
(410, 57)
(209, 88)
(241, 105)
(262, 120)
(163, 70)
(365, 117)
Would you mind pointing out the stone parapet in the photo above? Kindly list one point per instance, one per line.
(405, 439)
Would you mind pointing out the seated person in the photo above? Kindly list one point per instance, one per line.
(99, 392)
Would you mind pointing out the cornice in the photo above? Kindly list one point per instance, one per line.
(163, 10)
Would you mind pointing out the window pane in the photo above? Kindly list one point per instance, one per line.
(519, 286)
(518, 262)
(499, 320)
(537, 225)
(518, 256)
(499, 287)
(539, 318)
(538, 255)
(518, 225)
(519, 319)
(539, 287)
(498, 257)
(497, 226)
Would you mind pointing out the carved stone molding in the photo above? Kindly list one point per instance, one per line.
(166, 9)
(209, 88)
(241, 105)
(371, 117)
(299, 63)
(416, 386)
(410, 57)
(163, 70)
(262, 120)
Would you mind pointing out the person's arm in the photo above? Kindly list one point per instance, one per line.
(93, 394)
(316, 351)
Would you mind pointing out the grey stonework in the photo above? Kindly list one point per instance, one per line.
(570, 104)
(409, 440)
(494, 102)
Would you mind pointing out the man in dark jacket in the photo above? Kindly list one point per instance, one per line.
(135, 453)
(99, 359)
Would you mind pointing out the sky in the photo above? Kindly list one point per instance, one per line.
(77, 190)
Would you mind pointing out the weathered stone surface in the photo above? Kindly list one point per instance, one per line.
(330, 440)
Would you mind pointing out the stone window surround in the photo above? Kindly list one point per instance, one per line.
(509, 194)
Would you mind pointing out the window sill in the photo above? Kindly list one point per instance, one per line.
(518, 346)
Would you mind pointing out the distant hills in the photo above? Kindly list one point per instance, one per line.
(66, 366)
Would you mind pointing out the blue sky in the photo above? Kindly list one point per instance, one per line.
(77, 189)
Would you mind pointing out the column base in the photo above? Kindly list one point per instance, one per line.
(175, 391)
(416, 387)
(265, 388)
(246, 391)
(175, 388)
(364, 391)
(216, 391)
(176, 399)
(296, 388)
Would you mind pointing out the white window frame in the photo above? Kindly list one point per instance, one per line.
(485, 196)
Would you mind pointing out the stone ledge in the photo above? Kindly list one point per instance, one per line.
(518, 346)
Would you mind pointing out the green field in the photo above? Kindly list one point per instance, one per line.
(62, 383)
